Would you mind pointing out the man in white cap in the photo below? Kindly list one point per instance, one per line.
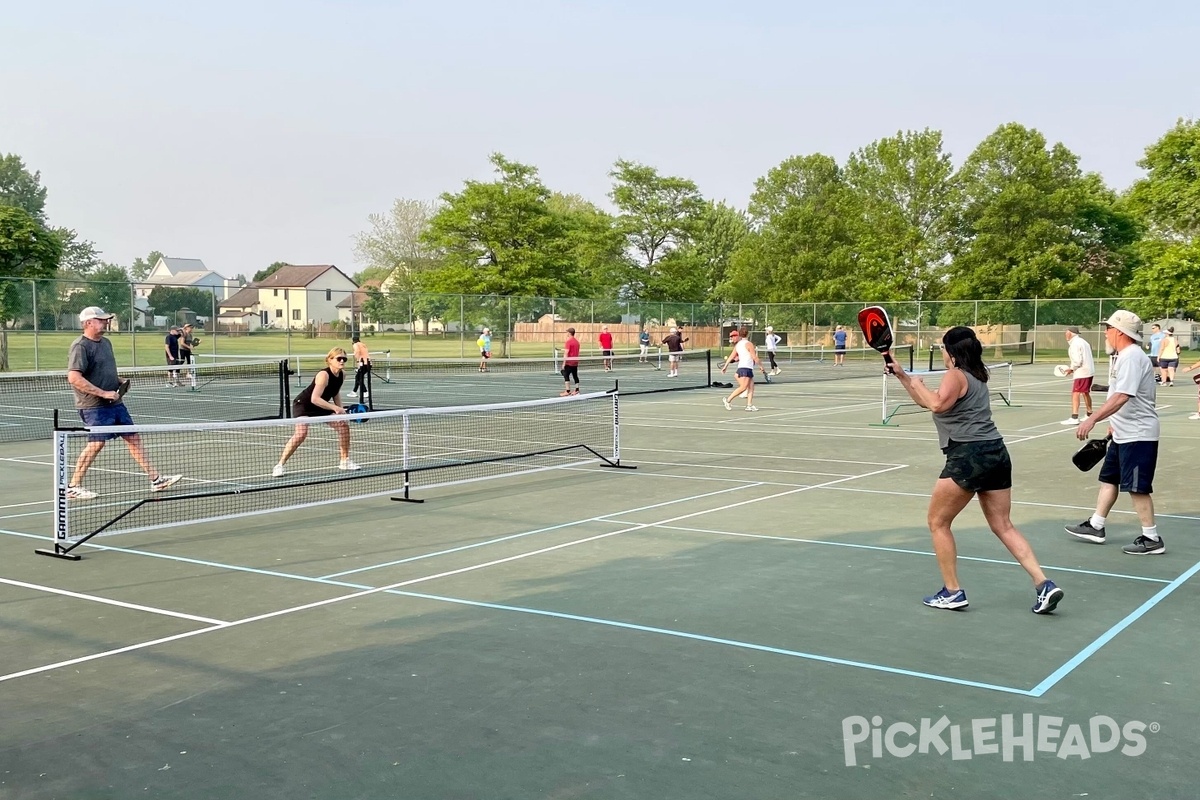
(771, 342)
(1082, 369)
(92, 373)
(1133, 424)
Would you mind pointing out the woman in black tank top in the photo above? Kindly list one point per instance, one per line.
(977, 465)
(321, 398)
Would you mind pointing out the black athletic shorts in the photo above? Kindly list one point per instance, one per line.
(978, 466)
(1130, 466)
(570, 371)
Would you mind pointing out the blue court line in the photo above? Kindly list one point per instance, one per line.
(906, 551)
(1106, 637)
(713, 640)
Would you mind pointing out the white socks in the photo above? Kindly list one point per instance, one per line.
(1097, 521)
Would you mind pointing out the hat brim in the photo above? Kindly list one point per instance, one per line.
(1137, 337)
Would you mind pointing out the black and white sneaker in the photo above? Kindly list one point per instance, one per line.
(1085, 531)
(1143, 546)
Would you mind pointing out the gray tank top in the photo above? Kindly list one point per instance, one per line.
(970, 420)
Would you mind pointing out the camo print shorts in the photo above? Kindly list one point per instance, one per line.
(978, 466)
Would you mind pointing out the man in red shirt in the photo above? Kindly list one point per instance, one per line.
(606, 348)
(570, 367)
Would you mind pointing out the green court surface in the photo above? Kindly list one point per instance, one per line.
(739, 617)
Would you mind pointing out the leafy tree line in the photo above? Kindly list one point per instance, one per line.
(895, 221)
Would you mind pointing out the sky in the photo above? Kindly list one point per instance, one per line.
(243, 133)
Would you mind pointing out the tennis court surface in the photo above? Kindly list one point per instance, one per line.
(739, 617)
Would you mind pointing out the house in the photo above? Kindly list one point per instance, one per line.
(350, 307)
(294, 296)
(189, 272)
(238, 321)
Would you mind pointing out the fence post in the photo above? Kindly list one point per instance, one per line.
(132, 324)
(462, 324)
(1035, 310)
(976, 325)
(508, 336)
(412, 326)
(215, 325)
(33, 285)
(287, 320)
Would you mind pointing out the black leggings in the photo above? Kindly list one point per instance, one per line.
(771, 355)
(360, 378)
(571, 371)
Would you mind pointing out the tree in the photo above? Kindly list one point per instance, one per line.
(691, 272)
(393, 246)
(658, 215)
(263, 274)
(168, 300)
(801, 247)
(1169, 281)
(27, 252)
(500, 238)
(1168, 198)
(903, 194)
(143, 266)
(80, 258)
(19, 188)
(1029, 224)
(108, 287)
(596, 244)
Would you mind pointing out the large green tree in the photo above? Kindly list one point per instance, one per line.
(596, 244)
(659, 214)
(142, 266)
(500, 238)
(903, 196)
(691, 272)
(801, 247)
(266, 272)
(20, 188)
(168, 300)
(28, 251)
(1168, 198)
(107, 287)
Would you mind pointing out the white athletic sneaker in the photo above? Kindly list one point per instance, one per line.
(79, 493)
(725, 400)
(776, 371)
(1193, 416)
(752, 408)
(347, 464)
(164, 482)
(1071, 421)
(277, 472)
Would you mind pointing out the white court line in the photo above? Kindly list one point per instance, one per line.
(377, 590)
(26, 514)
(755, 455)
(727, 467)
(19, 505)
(25, 461)
(108, 602)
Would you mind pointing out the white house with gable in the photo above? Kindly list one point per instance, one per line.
(189, 272)
(294, 296)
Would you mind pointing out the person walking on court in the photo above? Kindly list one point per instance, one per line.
(771, 342)
(1082, 369)
(674, 342)
(92, 373)
(840, 339)
(570, 367)
(362, 366)
(1156, 337)
(1195, 378)
(1132, 457)
(321, 398)
(977, 465)
(643, 345)
(485, 348)
(171, 346)
(187, 344)
(747, 358)
(606, 348)
(1168, 358)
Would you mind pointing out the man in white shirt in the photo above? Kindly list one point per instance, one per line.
(1133, 425)
(1082, 369)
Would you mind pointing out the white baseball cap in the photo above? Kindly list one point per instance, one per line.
(94, 312)
(1127, 323)
(769, 329)
(674, 329)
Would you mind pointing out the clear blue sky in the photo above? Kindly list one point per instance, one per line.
(248, 132)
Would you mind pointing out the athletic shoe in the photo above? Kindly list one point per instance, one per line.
(776, 371)
(725, 401)
(574, 391)
(952, 601)
(348, 465)
(164, 482)
(1048, 597)
(79, 493)
(1193, 416)
(564, 394)
(1143, 546)
(277, 471)
(1169, 383)
(1071, 421)
(1085, 531)
(752, 408)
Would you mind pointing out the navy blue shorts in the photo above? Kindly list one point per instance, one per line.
(1130, 466)
(103, 417)
(745, 372)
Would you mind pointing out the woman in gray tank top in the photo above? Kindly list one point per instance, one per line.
(977, 464)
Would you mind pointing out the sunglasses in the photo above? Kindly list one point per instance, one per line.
(340, 359)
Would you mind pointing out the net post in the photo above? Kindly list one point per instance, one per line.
(615, 463)
(61, 527)
(405, 496)
(708, 364)
(885, 419)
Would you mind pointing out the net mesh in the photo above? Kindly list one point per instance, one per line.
(818, 363)
(227, 469)
(396, 383)
(213, 392)
(896, 401)
(1011, 353)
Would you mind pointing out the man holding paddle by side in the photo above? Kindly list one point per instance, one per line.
(977, 461)
(92, 373)
(1131, 459)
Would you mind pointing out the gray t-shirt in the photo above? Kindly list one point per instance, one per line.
(969, 419)
(95, 360)
(1137, 421)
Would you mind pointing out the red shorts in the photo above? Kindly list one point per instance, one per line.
(1081, 385)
